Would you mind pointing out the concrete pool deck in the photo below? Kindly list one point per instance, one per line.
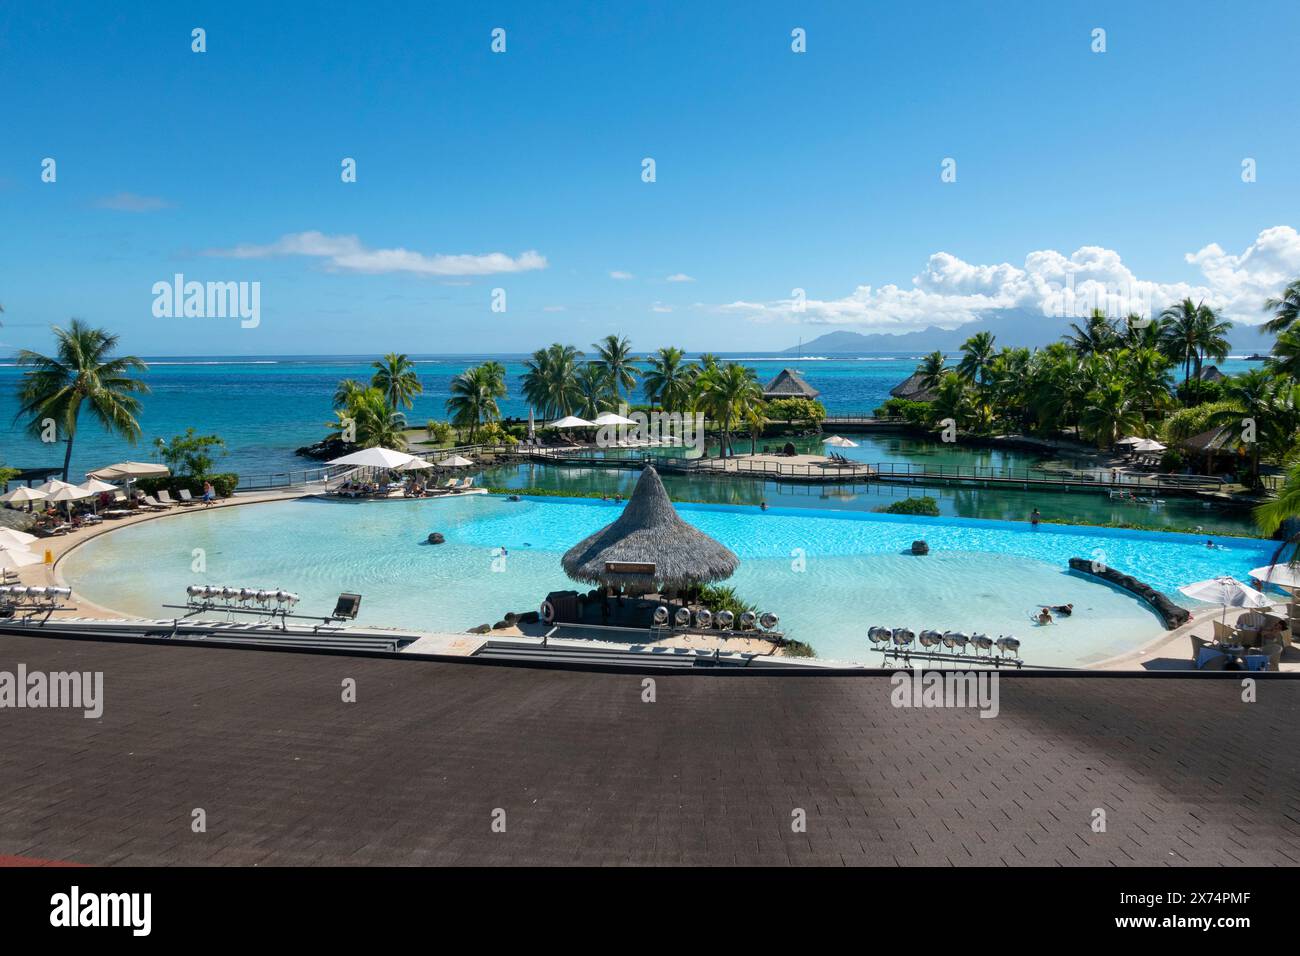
(1166, 650)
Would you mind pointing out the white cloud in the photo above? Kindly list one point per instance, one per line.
(678, 277)
(660, 307)
(131, 202)
(950, 292)
(347, 254)
(621, 275)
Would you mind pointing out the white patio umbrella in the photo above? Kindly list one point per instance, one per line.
(1130, 440)
(22, 496)
(70, 494)
(610, 418)
(11, 538)
(573, 421)
(97, 487)
(1282, 575)
(130, 469)
(839, 442)
(532, 427)
(374, 458)
(1147, 444)
(455, 461)
(53, 485)
(1227, 592)
(11, 559)
(415, 464)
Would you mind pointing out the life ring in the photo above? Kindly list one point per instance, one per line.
(548, 612)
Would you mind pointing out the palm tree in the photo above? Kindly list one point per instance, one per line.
(373, 420)
(550, 380)
(1212, 332)
(1140, 333)
(347, 391)
(83, 370)
(932, 370)
(1285, 359)
(474, 394)
(976, 355)
(667, 383)
(592, 382)
(614, 359)
(1268, 406)
(755, 421)
(726, 394)
(1146, 377)
(1110, 412)
(1285, 309)
(1096, 337)
(1180, 335)
(395, 376)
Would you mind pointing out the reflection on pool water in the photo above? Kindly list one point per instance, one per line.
(829, 575)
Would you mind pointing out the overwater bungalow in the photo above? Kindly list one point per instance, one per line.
(789, 384)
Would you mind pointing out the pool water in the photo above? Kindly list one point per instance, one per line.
(829, 575)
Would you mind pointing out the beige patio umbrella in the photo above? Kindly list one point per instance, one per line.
(22, 496)
(415, 464)
(130, 469)
(12, 538)
(11, 559)
(53, 485)
(68, 495)
(455, 461)
(839, 442)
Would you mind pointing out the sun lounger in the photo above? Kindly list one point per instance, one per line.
(166, 498)
(153, 504)
(187, 499)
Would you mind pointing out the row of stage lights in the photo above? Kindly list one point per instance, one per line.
(704, 619)
(902, 638)
(206, 594)
(22, 594)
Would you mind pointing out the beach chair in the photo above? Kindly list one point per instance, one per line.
(1225, 633)
(187, 499)
(152, 503)
(467, 483)
(166, 498)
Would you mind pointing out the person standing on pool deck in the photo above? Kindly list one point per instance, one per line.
(1035, 518)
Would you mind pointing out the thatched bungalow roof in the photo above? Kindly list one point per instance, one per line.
(1211, 373)
(789, 384)
(649, 547)
(1221, 440)
(911, 389)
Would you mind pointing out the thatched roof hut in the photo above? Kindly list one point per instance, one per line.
(1211, 373)
(912, 389)
(649, 547)
(789, 384)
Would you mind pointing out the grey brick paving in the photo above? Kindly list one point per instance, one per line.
(588, 774)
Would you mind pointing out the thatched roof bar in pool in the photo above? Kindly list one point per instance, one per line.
(649, 532)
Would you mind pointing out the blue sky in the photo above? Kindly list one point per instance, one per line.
(775, 170)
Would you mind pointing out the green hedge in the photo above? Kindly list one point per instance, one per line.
(224, 484)
(925, 505)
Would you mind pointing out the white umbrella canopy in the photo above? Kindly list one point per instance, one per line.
(415, 464)
(70, 493)
(1226, 592)
(1283, 575)
(22, 496)
(1130, 440)
(53, 485)
(839, 442)
(130, 469)
(572, 421)
(610, 418)
(11, 559)
(1147, 444)
(455, 461)
(375, 458)
(96, 487)
(9, 538)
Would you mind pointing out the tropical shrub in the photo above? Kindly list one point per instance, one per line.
(924, 505)
(440, 432)
(191, 454)
(494, 434)
(912, 412)
(797, 411)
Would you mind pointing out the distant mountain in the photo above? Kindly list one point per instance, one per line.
(1018, 328)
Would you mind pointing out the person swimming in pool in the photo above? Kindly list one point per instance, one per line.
(1064, 610)
(1045, 616)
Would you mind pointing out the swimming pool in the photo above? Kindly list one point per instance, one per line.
(829, 575)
